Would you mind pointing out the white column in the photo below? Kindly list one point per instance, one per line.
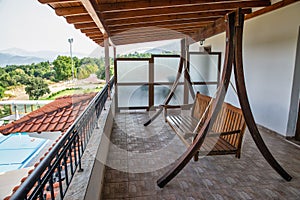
(107, 64)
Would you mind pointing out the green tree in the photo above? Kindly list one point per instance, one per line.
(4, 111)
(36, 88)
(86, 70)
(63, 68)
(101, 68)
(2, 90)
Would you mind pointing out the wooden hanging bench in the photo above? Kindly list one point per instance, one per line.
(226, 133)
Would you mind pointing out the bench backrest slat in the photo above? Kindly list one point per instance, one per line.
(230, 118)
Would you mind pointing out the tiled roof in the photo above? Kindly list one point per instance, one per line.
(55, 116)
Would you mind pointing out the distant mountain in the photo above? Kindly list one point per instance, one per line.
(172, 46)
(8, 59)
(19, 56)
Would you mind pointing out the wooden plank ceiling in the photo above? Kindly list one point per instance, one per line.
(136, 21)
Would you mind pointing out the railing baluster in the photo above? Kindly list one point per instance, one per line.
(66, 170)
(75, 140)
(60, 181)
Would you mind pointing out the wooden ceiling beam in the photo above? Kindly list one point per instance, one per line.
(146, 4)
(170, 17)
(165, 17)
(57, 1)
(94, 34)
(213, 29)
(154, 30)
(185, 9)
(219, 25)
(96, 37)
(91, 25)
(270, 8)
(91, 30)
(137, 34)
(99, 42)
(79, 19)
(92, 12)
(166, 26)
(143, 40)
(147, 34)
(163, 23)
(69, 11)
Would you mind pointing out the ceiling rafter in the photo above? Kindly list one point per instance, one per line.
(91, 30)
(165, 17)
(170, 17)
(90, 25)
(166, 26)
(94, 34)
(156, 32)
(184, 9)
(70, 11)
(162, 23)
(213, 29)
(78, 19)
(133, 21)
(148, 39)
(92, 12)
(57, 1)
(146, 4)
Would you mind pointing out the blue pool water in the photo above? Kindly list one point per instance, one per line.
(16, 150)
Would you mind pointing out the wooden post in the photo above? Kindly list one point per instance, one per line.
(115, 53)
(107, 64)
(151, 83)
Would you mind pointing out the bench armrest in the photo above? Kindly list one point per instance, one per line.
(176, 106)
(166, 107)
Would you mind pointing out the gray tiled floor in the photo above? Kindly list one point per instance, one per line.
(139, 155)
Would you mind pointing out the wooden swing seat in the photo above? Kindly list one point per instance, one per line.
(226, 134)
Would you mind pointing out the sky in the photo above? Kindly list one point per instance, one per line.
(32, 26)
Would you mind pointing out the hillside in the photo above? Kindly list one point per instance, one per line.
(8, 59)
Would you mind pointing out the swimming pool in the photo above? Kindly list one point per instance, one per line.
(17, 150)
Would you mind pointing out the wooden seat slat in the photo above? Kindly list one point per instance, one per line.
(179, 124)
(229, 122)
(185, 125)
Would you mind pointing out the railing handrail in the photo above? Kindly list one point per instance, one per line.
(28, 184)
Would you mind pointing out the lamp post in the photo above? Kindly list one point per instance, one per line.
(70, 40)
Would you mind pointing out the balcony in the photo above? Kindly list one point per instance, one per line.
(138, 156)
(116, 157)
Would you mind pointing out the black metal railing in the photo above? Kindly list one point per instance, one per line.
(51, 178)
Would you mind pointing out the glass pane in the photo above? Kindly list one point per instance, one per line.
(162, 91)
(165, 69)
(133, 96)
(133, 71)
(203, 67)
(208, 90)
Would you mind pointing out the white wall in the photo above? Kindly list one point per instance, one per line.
(270, 43)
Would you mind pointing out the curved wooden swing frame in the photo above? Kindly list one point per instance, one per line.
(233, 56)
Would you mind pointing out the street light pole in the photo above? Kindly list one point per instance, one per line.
(70, 40)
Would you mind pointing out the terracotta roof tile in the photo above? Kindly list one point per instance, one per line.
(35, 128)
(52, 127)
(55, 116)
(60, 126)
(63, 119)
(44, 127)
(49, 119)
